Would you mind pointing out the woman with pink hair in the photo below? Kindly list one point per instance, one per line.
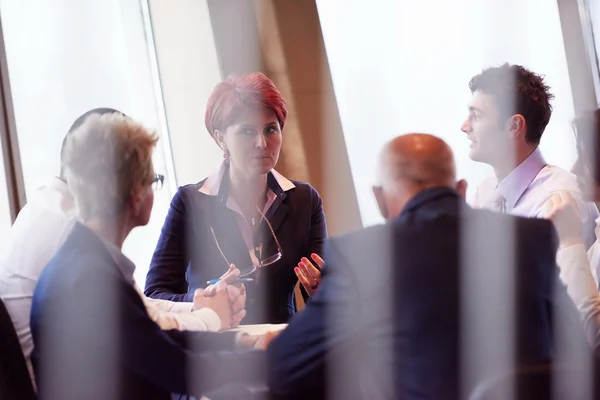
(245, 213)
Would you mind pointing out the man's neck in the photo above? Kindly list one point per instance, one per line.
(503, 168)
(113, 231)
(405, 193)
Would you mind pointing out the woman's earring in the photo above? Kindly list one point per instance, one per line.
(226, 155)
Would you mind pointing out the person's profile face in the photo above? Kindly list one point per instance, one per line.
(583, 167)
(143, 203)
(484, 129)
(254, 141)
(584, 180)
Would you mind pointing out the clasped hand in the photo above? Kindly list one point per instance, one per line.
(226, 299)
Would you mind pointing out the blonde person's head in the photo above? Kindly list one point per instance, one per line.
(108, 162)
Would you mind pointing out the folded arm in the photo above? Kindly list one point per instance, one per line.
(565, 211)
(575, 273)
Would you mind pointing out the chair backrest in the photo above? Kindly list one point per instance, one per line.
(15, 382)
(298, 297)
(540, 382)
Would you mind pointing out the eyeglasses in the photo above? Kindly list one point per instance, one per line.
(267, 261)
(157, 182)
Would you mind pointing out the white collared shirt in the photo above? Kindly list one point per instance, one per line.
(526, 191)
(39, 231)
(528, 187)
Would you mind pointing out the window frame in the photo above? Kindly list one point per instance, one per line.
(8, 137)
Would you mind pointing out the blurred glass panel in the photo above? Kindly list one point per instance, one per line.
(66, 57)
(404, 66)
(591, 24)
(5, 219)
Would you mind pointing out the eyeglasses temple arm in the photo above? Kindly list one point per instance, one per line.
(272, 231)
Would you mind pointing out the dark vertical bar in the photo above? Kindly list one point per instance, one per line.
(578, 60)
(8, 139)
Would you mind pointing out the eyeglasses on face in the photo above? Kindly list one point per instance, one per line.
(157, 182)
(263, 263)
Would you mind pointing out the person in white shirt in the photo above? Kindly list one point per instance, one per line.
(587, 170)
(508, 113)
(39, 231)
(564, 211)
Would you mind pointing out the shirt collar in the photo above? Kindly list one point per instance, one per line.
(426, 196)
(514, 184)
(61, 186)
(212, 184)
(67, 201)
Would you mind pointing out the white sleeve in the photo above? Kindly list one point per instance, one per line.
(174, 315)
(576, 274)
(170, 306)
(594, 257)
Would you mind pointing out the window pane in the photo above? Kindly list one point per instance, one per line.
(411, 61)
(593, 41)
(68, 56)
(5, 220)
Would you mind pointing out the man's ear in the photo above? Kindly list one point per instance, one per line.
(517, 126)
(380, 198)
(461, 188)
(135, 202)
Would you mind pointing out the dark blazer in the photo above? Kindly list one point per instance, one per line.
(399, 302)
(186, 255)
(15, 382)
(94, 340)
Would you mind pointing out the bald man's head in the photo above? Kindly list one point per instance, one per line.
(409, 164)
(417, 159)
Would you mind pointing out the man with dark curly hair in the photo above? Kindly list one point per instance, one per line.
(508, 113)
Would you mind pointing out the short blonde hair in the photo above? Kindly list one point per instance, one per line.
(108, 159)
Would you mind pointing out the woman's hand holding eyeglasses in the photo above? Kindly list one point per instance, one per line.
(308, 274)
(224, 280)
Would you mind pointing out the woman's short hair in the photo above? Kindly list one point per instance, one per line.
(108, 159)
(235, 94)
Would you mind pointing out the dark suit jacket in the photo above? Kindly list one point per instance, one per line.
(94, 340)
(413, 308)
(186, 255)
